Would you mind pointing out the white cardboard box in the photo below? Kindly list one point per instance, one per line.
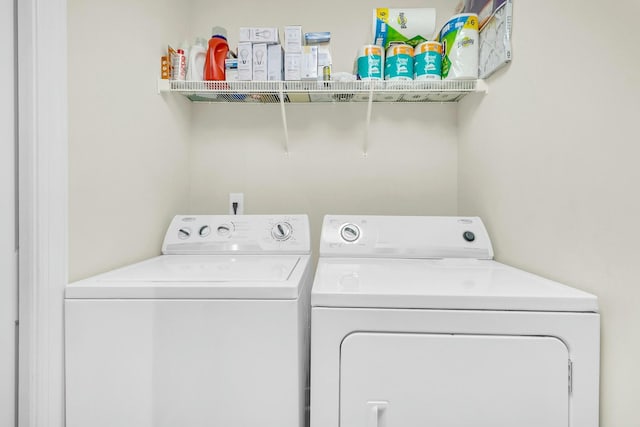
(245, 61)
(293, 38)
(259, 34)
(231, 70)
(292, 66)
(260, 60)
(324, 58)
(275, 64)
(309, 63)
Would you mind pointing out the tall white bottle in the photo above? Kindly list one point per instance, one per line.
(197, 56)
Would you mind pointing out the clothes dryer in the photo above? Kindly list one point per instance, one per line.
(214, 332)
(414, 324)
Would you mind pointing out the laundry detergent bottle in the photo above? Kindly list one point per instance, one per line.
(216, 54)
(197, 55)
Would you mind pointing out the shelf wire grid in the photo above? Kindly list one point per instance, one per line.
(323, 91)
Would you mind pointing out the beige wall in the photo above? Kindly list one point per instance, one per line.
(137, 158)
(128, 146)
(549, 159)
(411, 167)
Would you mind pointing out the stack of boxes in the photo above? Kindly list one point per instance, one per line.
(320, 41)
(306, 61)
(253, 62)
(293, 52)
(261, 57)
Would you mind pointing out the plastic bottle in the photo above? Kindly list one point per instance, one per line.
(197, 56)
(216, 54)
(178, 65)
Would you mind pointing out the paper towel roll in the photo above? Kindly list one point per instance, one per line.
(459, 37)
(370, 62)
(398, 64)
(428, 61)
(410, 25)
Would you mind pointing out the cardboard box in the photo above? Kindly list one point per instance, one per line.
(275, 63)
(324, 58)
(165, 67)
(245, 61)
(293, 38)
(309, 63)
(231, 70)
(259, 34)
(260, 60)
(292, 66)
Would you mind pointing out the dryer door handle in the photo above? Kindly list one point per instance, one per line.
(377, 413)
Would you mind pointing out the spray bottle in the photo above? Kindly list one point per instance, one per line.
(216, 54)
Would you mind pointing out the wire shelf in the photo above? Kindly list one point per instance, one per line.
(336, 92)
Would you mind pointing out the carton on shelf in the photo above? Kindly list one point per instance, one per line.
(259, 34)
(293, 38)
(260, 60)
(245, 61)
(275, 63)
(231, 70)
(292, 65)
(309, 63)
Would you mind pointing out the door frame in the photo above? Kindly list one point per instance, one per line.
(43, 169)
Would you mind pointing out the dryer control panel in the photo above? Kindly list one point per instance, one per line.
(404, 237)
(245, 234)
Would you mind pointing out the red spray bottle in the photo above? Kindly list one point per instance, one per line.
(216, 54)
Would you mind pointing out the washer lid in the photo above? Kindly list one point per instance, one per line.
(199, 276)
(458, 284)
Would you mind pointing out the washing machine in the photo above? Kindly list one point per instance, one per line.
(214, 332)
(414, 324)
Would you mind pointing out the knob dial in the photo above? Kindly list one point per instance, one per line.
(282, 231)
(205, 230)
(184, 233)
(224, 230)
(469, 236)
(350, 233)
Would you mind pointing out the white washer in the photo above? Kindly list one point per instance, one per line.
(414, 324)
(214, 332)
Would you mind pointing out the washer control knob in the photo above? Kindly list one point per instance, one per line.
(282, 231)
(224, 230)
(184, 233)
(205, 230)
(350, 233)
(469, 236)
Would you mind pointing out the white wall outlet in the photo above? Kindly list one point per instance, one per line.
(236, 209)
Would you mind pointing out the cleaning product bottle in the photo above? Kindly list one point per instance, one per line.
(197, 56)
(216, 54)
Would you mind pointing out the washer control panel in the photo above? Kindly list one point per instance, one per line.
(249, 234)
(405, 237)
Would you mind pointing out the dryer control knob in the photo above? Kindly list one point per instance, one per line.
(205, 230)
(184, 233)
(282, 231)
(350, 233)
(469, 236)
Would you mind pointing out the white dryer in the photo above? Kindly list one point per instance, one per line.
(414, 324)
(214, 332)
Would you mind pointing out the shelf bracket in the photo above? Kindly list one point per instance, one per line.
(164, 85)
(367, 124)
(482, 86)
(283, 113)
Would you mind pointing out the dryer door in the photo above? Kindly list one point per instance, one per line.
(431, 380)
